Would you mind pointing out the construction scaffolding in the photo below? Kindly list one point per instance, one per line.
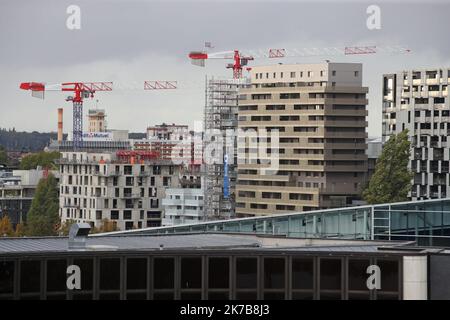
(220, 124)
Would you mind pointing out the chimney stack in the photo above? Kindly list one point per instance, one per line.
(60, 124)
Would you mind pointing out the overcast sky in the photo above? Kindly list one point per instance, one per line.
(128, 42)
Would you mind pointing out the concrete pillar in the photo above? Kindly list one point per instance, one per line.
(415, 280)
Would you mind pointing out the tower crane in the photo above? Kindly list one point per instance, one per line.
(81, 91)
(241, 58)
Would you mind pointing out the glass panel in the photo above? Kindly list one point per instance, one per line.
(136, 273)
(302, 295)
(137, 296)
(30, 276)
(82, 296)
(218, 296)
(246, 295)
(219, 273)
(246, 273)
(56, 275)
(6, 276)
(384, 296)
(109, 274)
(109, 296)
(191, 273)
(273, 295)
(389, 275)
(191, 295)
(330, 274)
(87, 272)
(330, 296)
(274, 273)
(357, 276)
(164, 270)
(358, 296)
(302, 273)
(163, 296)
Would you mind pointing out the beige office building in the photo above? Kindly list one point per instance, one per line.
(319, 111)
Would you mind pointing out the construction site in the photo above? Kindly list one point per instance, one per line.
(220, 123)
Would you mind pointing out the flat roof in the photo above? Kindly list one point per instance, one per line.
(203, 241)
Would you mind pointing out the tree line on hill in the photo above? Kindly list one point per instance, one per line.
(22, 141)
(13, 140)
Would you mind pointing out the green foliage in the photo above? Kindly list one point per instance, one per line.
(3, 155)
(43, 159)
(20, 230)
(34, 141)
(43, 217)
(391, 180)
(106, 226)
(64, 228)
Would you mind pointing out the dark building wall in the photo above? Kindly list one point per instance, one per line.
(195, 275)
(438, 275)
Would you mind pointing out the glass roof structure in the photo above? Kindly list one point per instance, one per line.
(426, 222)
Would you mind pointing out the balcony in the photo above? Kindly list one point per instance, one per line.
(108, 174)
(131, 196)
(434, 169)
(71, 206)
(439, 181)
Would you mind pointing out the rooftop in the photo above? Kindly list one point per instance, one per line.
(197, 242)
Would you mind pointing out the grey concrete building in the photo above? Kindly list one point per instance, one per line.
(417, 100)
(125, 187)
(319, 112)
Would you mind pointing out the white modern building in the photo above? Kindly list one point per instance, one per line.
(417, 100)
(183, 205)
(125, 187)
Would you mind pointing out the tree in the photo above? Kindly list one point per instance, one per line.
(391, 180)
(43, 159)
(64, 227)
(6, 228)
(20, 230)
(106, 226)
(43, 217)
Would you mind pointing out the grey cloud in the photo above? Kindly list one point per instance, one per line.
(137, 40)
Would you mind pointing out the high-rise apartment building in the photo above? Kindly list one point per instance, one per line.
(319, 112)
(125, 187)
(417, 100)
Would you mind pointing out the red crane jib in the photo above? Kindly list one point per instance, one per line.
(87, 86)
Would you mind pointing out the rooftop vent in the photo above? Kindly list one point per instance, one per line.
(77, 236)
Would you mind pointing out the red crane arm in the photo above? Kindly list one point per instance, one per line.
(159, 85)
